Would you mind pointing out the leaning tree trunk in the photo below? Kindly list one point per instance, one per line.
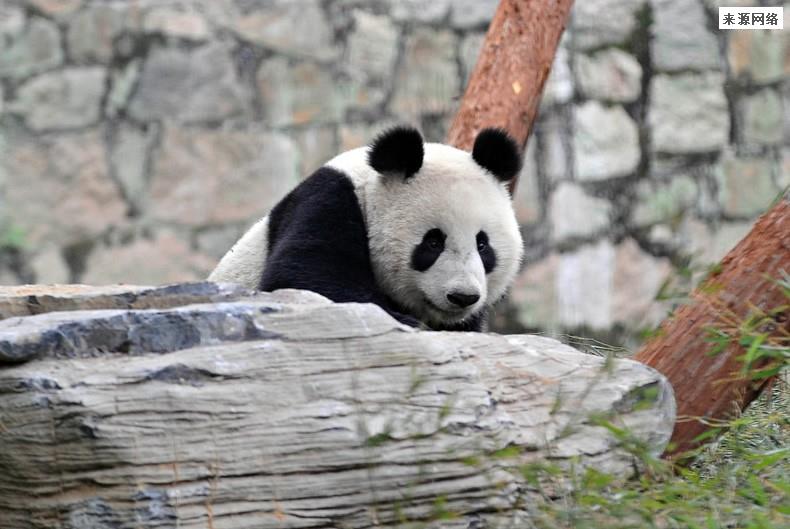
(286, 410)
(507, 82)
(709, 387)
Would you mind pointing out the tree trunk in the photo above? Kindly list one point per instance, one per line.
(507, 82)
(286, 410)
(710, 388)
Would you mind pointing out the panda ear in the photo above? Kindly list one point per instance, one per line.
(496, 151)
(397, 150)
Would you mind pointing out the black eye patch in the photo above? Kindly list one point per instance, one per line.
(428, 251)
(487, 253)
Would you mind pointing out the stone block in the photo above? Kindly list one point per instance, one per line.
(425, 11)
(215, 241)
(56, 8)
(609, 75)
(129, 154)
(372, 45)
(758, 56)
(353, 135)
(273, 27)
(746, 185)
(204, 177)
(59, 188)
(559, 84)
(664, 201)
(597, 23)
(175, 23)
(62, 99)
(688, 113)
(553, 130)
(468, 14)
(584, 286)
(27, 49)
(91, 32)
(761, 118)
(427, 80)
(574, 213)
(49, 266)
(681, 40)
(298, 93)
(124, 80)
(189, 85)
(316, 146)
(637, 279)
(527, 201)
(605, 142)
(164, 258)
(534, 294)
(471, 45)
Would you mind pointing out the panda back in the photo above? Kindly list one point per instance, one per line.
(243, 264)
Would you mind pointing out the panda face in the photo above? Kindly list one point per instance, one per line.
(444, 242)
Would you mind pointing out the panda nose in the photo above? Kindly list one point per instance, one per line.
(462, 300)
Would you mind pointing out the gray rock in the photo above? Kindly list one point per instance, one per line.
(526, 201)
(609, 75)
(59, 188)
(372, 46)
(574, 213)
(189, 86)
(746, 185)
(122, 84)
(273, 27)
(688, 113)
(129, 158)
(559, 84)
(472, 13)
(188, 24)
(427, 80)
(584, 286)
(471, 45)
(210, 177)
(597, 23)
(59, 9)
(316, 146)
(761, 118)
(287, 384)
(62, 99)
(758, 56)
(26, 50)
(555, 136)
(605, 142)
(299, 93)
(681, 40)
(420, 10)
(664, 200)
(91, 32)
(215, 241)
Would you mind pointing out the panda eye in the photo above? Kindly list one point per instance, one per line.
(482, 241)
(434, 244)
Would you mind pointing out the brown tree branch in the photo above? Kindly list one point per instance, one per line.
(709, 388)
(507, 82)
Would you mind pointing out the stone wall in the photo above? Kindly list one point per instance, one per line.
(138, 139)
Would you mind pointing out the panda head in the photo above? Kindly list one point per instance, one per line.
(443, 236)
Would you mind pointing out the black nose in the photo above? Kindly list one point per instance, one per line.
(462, 300)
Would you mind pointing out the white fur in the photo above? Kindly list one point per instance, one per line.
(450, 192)
(243, 264)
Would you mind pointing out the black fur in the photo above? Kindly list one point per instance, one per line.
(428, 251)
(496, 151)
(318, 241)
(398, 150)
(486, 251)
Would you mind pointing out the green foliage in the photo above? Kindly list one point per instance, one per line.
(12, 237)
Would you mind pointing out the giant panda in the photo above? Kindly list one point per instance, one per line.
(424, 230)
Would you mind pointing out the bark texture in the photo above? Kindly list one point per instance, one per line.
(286, 410)
(708, 387)
(507, 82)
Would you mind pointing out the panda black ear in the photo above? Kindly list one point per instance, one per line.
(397, 150)
(496, 151)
